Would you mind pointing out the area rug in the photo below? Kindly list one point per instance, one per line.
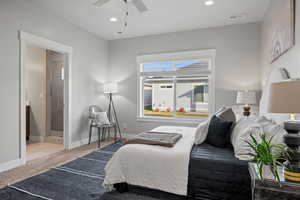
(80, 179)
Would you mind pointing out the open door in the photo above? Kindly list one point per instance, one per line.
(55, 93)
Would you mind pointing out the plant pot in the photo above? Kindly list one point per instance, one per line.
(266, 172)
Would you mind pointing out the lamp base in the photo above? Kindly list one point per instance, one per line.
(247, 112)
(292, 140)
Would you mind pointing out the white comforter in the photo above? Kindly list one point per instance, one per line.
(155, 167)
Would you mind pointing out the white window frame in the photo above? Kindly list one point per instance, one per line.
(208, 54)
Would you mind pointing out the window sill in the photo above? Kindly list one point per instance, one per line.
(190, 121)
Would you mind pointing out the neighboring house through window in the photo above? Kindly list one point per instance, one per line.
(176, 85)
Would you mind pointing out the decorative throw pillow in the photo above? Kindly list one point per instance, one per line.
(101, 118)
(271, 129)
(201, 132)
(224, 113)
(242, 131)
(227, 114)
(202, 129)
(218, 132)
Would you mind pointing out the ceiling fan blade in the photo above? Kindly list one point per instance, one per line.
(140, 5)
(100, 3)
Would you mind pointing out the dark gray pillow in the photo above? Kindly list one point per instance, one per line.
(219, 132)
(227, 115)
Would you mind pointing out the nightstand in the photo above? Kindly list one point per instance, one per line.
(268, 189)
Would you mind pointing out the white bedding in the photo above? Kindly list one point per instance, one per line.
(154, 167)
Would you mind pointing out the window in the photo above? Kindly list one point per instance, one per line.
(176, 88)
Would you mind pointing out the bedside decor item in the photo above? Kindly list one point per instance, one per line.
(247, 98)
(285, 98)
(267, 155)
(268, 188)
(112, 88)
(282, 29)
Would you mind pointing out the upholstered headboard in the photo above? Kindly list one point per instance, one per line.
(276, 75)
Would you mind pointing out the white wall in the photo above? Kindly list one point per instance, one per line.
(237, 63)
(290, 60)
(89, 64)
(35, 63)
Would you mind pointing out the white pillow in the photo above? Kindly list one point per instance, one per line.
(101, 117)
(271, 129)
(201, 132)
(241, 133)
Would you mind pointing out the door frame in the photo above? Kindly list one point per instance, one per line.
(25, 39)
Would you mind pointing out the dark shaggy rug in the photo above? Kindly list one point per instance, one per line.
(80, 179)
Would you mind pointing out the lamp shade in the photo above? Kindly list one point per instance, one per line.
(110, 87)
(246, 97)
(285, 97)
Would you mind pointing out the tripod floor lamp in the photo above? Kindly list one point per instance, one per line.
(112, 88)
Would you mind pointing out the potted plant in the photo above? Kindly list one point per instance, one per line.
(267, 155)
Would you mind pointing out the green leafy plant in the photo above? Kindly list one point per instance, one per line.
(267, 154)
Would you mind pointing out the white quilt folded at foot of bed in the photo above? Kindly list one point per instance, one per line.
(154, 167)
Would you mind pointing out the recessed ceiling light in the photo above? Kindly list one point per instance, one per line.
(113, 19)
(209, 3)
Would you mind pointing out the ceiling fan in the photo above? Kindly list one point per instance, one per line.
(139, 4)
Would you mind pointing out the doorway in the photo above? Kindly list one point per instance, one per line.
(44, 88)
(45, 68)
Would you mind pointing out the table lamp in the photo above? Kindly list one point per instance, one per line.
(285, 98)
(112, 88)
(246, 98)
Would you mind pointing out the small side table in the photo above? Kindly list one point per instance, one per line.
(269, 189)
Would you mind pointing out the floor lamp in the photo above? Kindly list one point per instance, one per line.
(112, 88)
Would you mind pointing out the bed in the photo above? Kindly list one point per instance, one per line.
(166, 169)
(195, 171)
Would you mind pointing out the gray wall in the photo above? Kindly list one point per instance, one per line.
(237, 64)
(89, 65)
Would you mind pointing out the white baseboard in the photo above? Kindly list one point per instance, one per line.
(34, 138)
(10, 165)
(94, 139)
(82, 142)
